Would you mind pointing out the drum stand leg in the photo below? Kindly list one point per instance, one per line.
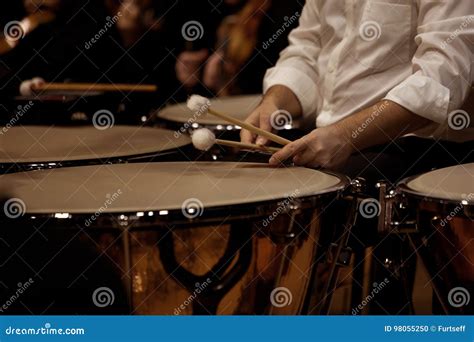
(128, 266)
(436, 290)
(216, 283)
(319, 303)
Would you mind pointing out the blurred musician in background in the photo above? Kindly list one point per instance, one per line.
(242, 48)
(106, 41)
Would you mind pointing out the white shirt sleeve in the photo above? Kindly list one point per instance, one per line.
(297, 67)
(442, 65)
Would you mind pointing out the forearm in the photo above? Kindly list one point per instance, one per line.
(283, 98)
(379, 124)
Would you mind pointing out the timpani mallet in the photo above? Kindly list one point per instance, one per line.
(203, 139)
(100, 87)
(202, 105)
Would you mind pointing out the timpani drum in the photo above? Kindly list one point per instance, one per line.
(179, 117)
(35, 147)
(54, 108)
(438, 208)
(184, 237)
(72, 107)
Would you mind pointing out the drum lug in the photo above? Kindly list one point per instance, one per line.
(391, 206)
(386, 202)
(287, 235)
(358, 185)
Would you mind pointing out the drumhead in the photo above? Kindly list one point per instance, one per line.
(454, 183)
(238, 107)
(39, 144)
(137, 187)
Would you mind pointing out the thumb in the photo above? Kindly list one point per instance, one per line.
(265, 125)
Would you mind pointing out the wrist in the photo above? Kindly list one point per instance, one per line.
(282, 98)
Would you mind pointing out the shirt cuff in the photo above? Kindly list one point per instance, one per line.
(423, 96)
(298, 82)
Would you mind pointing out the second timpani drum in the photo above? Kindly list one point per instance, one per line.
(184, 238)
(37, 147)
(179, 117)
(436, 212)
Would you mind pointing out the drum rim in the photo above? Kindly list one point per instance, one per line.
(337, 189)
(216, 128)
(56, 97)
(158, 113)
(57, 164)
(152, 150)
(404, 189)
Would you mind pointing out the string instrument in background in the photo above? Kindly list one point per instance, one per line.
(237, 38)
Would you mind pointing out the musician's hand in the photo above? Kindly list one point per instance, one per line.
(326, 147)
(277, 100)
(187, 66)
(260, 117)
(212, 77)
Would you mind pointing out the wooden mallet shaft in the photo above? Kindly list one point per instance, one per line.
(270, 136)
(144, 88)
(246, 146)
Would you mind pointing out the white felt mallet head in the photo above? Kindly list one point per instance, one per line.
(26, 87)
(198, 104)
(203, 139)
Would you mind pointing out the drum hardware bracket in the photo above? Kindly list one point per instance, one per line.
(388, 215)
(358, 185)
(292, 208)
(337, 255)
